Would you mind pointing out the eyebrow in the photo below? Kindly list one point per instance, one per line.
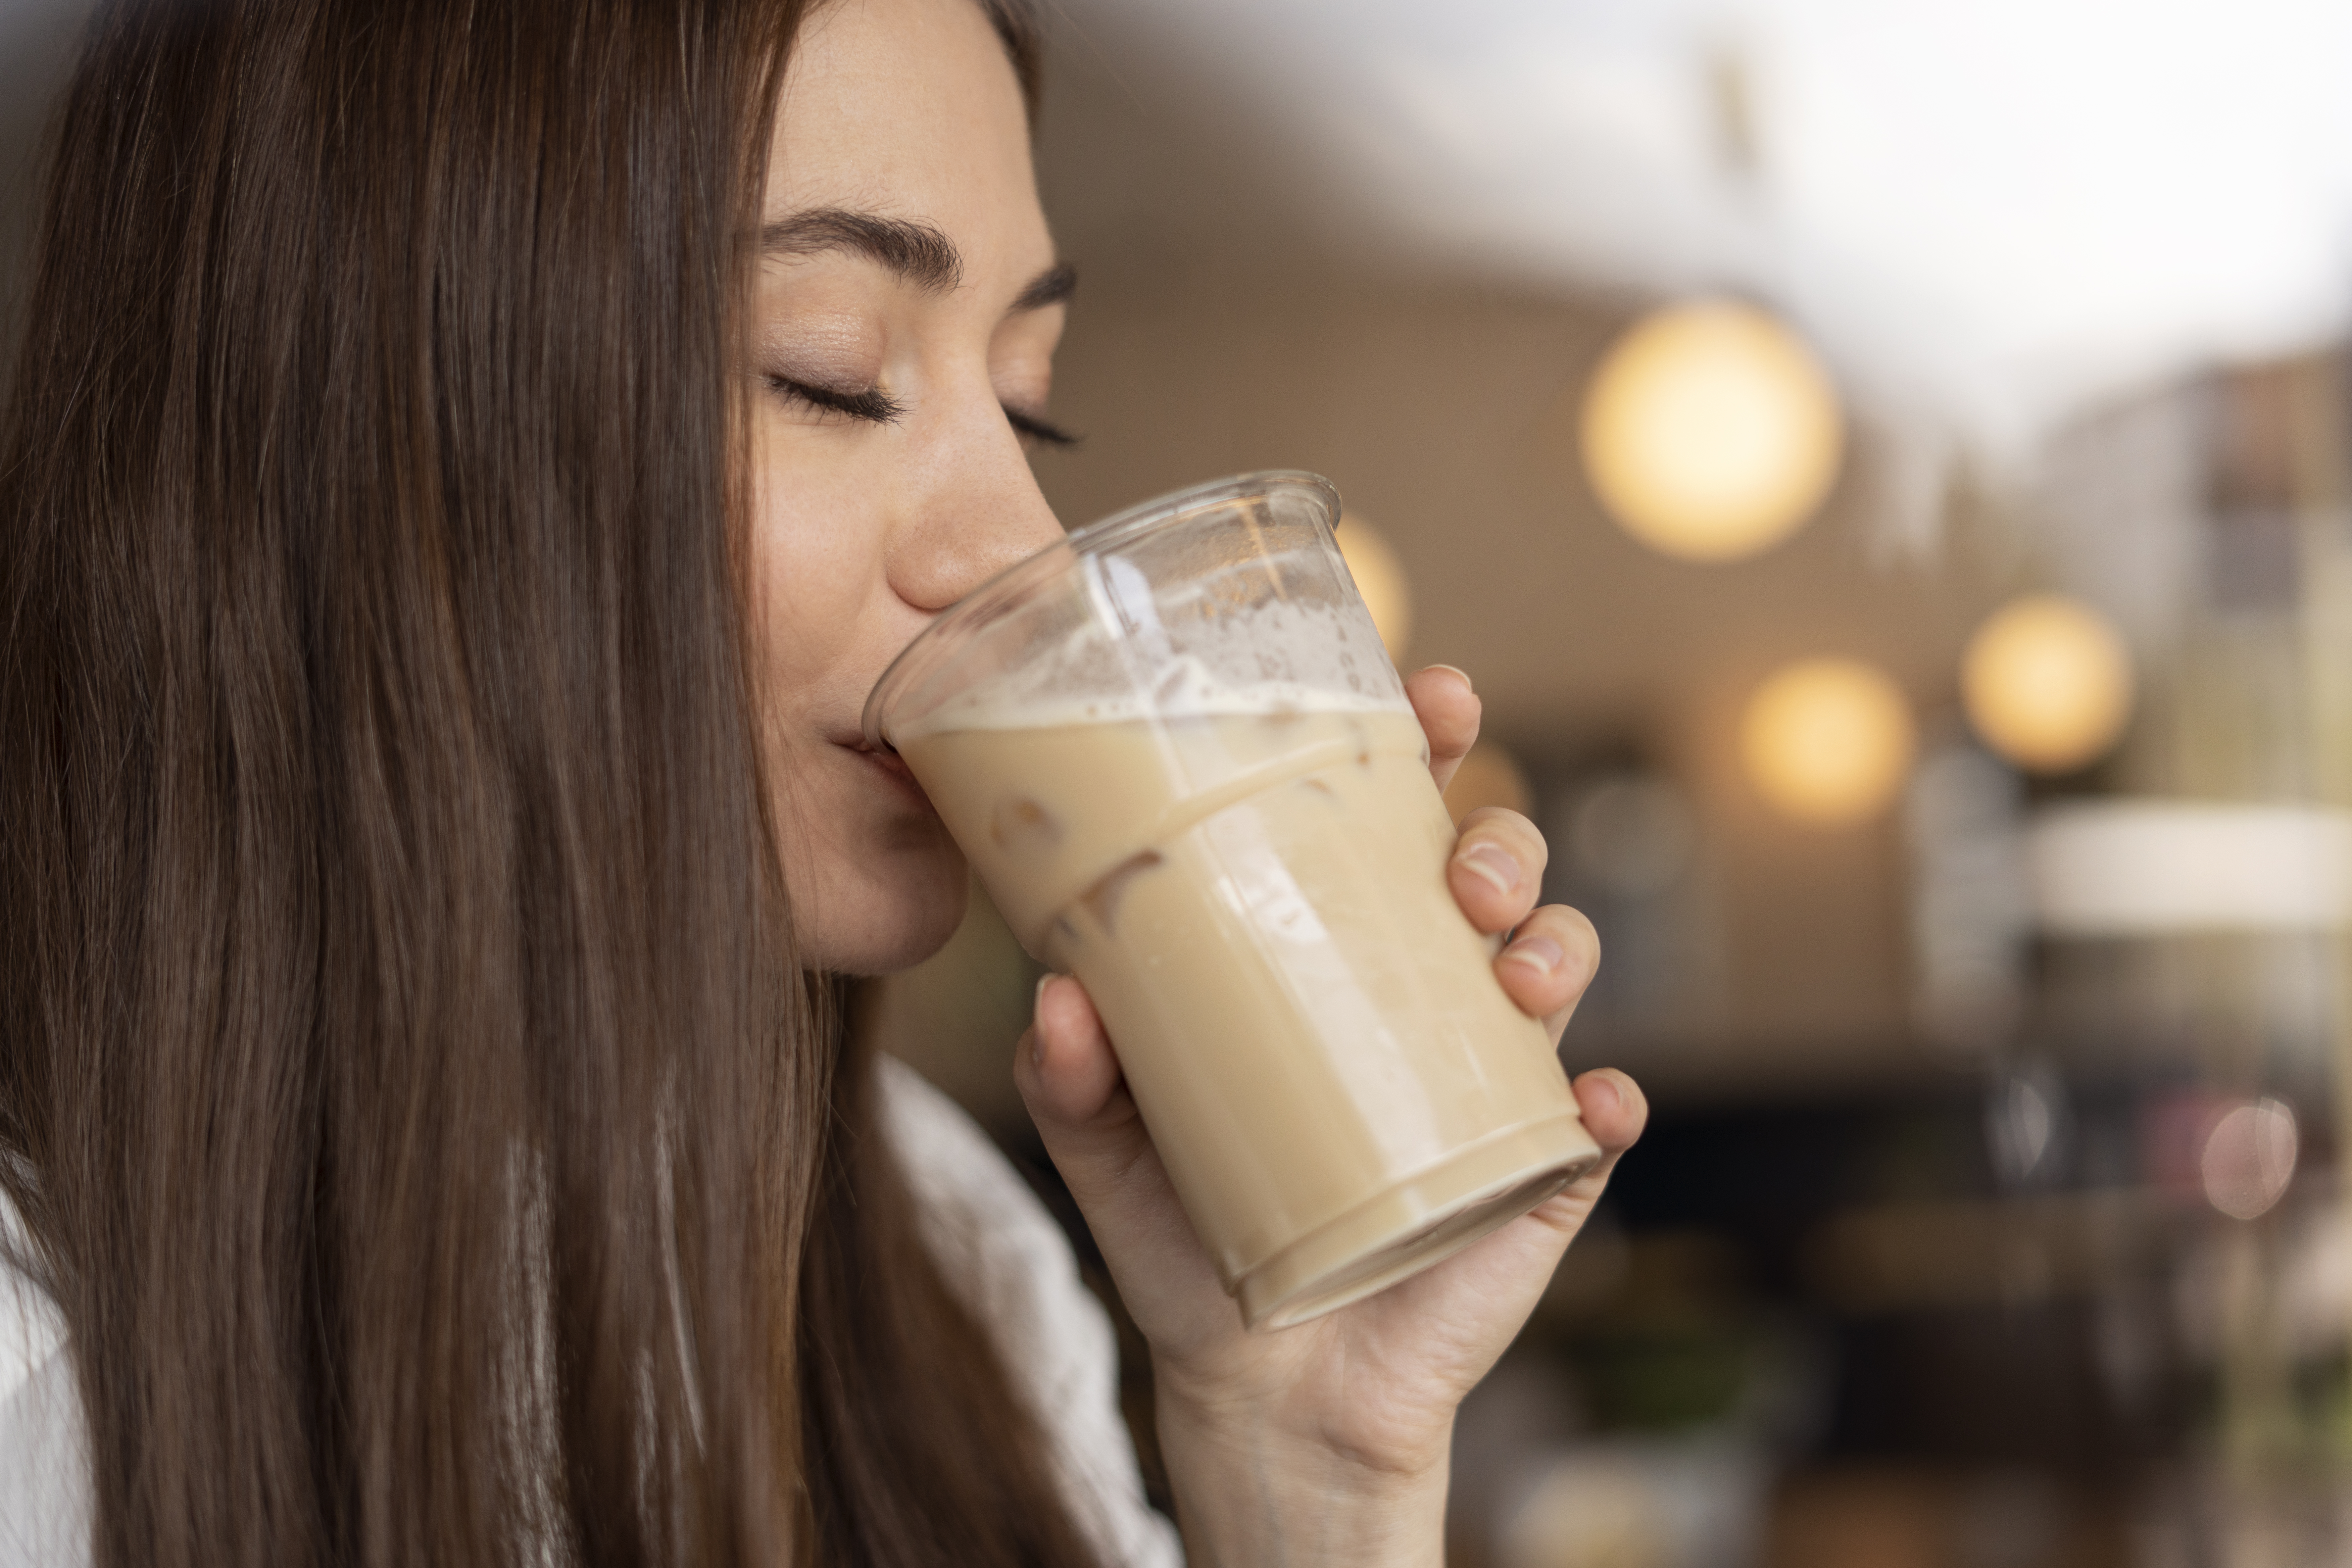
(916, 252)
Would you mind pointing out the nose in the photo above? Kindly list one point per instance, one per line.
(974, 510)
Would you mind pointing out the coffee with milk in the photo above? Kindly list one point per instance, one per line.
(1183, 767)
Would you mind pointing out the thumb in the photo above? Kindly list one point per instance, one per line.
(1069, 1077)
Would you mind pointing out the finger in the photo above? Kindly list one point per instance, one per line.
(1448, 710)
(1511, 1266)
(1614, 1112)
(1552, 957)
(1069, 1076)
(1497, 867)
(1071, 1071)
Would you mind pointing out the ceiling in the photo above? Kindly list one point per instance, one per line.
(1990, 215)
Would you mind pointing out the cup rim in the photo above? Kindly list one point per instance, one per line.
(921, 656)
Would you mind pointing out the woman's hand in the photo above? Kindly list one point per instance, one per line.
(1328, 1442)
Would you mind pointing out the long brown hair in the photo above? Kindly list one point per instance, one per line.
(436, 1150)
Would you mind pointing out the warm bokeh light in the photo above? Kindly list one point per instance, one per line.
(2047, 683)
(1490, 775)
(1828, 741)
(1380, 578)
(1710, 432)
(2249, 1158)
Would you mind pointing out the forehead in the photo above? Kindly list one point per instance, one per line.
(909, 108)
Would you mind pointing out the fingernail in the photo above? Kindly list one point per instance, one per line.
(1462, 673)
(1605, 1090)
(1539, 953)
(1037, 1035)
(1493, 863)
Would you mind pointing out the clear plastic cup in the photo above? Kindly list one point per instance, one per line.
(1176, 753)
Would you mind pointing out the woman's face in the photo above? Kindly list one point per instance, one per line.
(908, 308)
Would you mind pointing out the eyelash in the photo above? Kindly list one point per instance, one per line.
(874, 405)
(878, 407)
(1039, 430)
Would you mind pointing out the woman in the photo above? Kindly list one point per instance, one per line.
(468, 463)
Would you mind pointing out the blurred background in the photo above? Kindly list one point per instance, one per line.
(1888, 471)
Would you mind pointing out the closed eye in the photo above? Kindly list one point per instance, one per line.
(873, 404)
(878, 407)
(1036, 428)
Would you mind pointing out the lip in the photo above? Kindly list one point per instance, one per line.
(890, 765)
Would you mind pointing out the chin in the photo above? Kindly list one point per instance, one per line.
(889, 915)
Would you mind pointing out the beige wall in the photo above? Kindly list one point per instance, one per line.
(1441, 409)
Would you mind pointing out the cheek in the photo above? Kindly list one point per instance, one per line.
(812, 560)
(875, 880)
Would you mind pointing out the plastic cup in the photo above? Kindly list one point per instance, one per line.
(1175, 751)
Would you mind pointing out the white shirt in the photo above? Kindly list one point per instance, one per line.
(1000, 1252)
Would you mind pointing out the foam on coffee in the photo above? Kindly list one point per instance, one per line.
(1271, 659)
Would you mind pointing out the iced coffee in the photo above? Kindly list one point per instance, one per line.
(1187, 774)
